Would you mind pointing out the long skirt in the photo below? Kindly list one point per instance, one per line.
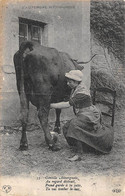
(86, 127)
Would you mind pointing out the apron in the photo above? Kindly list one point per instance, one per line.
(86, 126)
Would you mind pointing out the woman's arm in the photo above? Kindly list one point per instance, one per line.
(60, 105)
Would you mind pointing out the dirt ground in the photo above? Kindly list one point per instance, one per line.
(40, 160)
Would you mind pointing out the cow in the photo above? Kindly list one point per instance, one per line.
(40, 77)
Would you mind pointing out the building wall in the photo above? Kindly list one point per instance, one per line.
(67, 29)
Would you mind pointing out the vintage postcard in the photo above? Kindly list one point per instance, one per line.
(54, 141)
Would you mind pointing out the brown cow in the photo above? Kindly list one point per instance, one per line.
(40, 75)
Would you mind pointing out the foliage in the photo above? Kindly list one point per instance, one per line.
(107, 25)
(102, 78)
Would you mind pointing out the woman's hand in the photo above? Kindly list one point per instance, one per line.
(52, 105)
(60, 105)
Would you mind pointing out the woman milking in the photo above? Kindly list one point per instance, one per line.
(84, 131)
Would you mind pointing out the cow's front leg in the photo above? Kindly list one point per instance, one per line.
(57, 127)
(24, 119)
(43, 113)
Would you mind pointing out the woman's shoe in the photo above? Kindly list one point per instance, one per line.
(75, 158)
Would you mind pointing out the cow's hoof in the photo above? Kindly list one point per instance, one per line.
(54, 136)
(57, 130)
(55, 148)
(23, 147)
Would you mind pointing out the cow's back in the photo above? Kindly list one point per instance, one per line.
(44, 72)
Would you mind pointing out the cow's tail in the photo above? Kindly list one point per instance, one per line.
(24, 47)
(23, 97)
(22, 90)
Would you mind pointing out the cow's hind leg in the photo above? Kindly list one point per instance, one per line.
(57, 127)
(43, 113)
(24, 119)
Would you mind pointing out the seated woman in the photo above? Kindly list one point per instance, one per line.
(85, 129)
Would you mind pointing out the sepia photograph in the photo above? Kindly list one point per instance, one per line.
(62, 98)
